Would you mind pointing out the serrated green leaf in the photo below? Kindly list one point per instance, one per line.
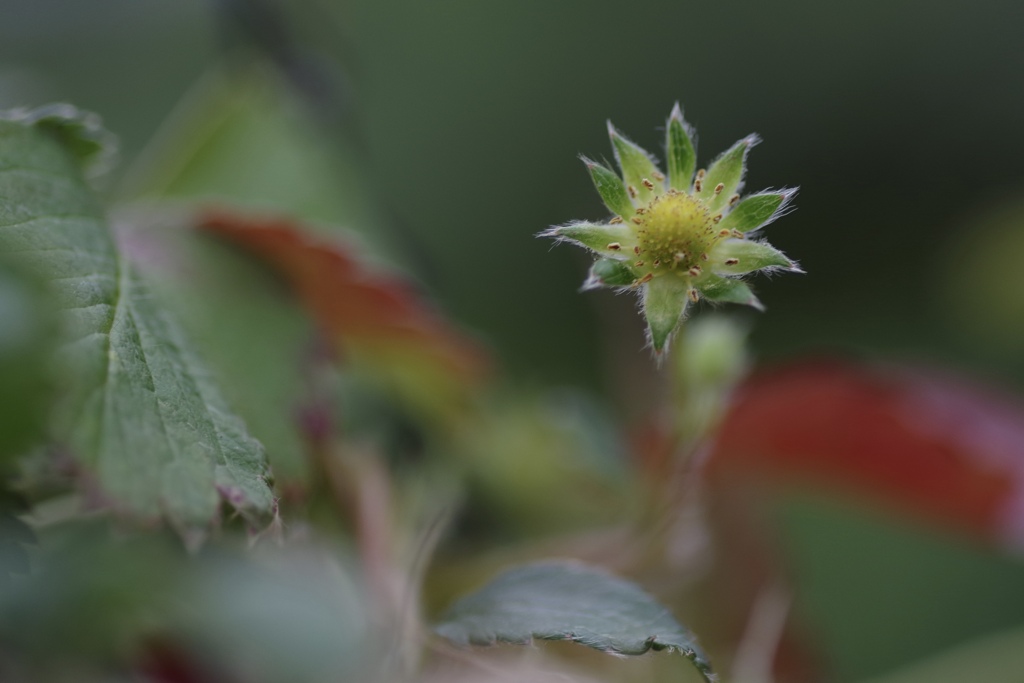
(739, 256)
(569, 601)
(613, 192)
(755, 211)
(613, 241)
(682, 157)
(608, 272)
(664, 303)
(140, 411)
(727, 171)
(637, 166)
(727, 290)
(250, 334)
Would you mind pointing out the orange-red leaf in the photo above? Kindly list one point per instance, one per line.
(375, 319)
(926, 444)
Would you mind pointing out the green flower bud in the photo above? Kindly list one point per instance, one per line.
(680, 237)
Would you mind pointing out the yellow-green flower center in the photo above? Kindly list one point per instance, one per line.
(674, 232)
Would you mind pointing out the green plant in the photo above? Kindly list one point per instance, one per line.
(137, 336)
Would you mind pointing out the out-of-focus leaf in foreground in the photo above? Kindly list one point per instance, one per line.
(377, 321)
(568, 601)
(95, 604)
(138, 410)
(929, 445)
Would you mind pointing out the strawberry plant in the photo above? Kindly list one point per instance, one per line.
(240, 441)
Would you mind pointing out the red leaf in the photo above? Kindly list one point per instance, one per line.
(929, 445)
(369, 315)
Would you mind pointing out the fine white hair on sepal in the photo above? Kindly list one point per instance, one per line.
(784, 209)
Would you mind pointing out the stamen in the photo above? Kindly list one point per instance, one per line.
(632, 191)
(648, 184)
(719, 187)
(695, 271)
(615, 221)
(614, 246)
(694, 296)
(732, 261)
(733, 199)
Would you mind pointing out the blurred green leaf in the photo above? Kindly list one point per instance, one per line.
(242, 138)
(26, 350)
(14, 535)
(140, 411)
(81, 132)
(99, 603)
(568, 601)
(295, 616)
(998, 657)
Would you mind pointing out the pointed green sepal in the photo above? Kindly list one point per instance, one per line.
(608, 272)
(727, 290)
(739, 256)
(726, 172)
(637, 166)
(611, 188)
(757, 211)
(614, 241)
(682, 156)
(664, 302)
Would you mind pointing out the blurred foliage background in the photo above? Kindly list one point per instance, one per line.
(452, 128)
